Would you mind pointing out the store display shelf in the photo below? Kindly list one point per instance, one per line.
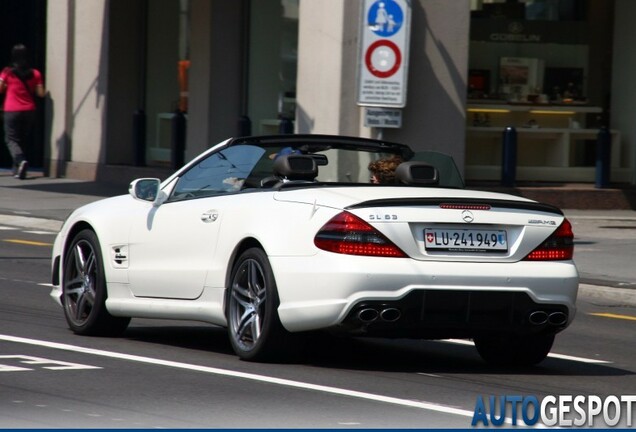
(503, 106)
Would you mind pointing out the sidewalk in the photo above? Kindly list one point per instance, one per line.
(43, 203)
(46, 202)
(583, 196)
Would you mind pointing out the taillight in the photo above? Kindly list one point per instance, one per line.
(559, 246)
(347, 234)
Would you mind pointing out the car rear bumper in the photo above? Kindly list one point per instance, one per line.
(434, 299)
(440, 314)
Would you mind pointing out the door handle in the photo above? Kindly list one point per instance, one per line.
(209, 216)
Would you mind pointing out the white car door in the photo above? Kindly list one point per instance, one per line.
(172, 249)
(170, 252)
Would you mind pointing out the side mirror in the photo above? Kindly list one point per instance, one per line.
(147, 189)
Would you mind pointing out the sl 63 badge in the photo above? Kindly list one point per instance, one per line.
(382, 217)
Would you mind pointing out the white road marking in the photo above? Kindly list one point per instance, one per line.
(429, 375)
(27, 230)
(553, 355)
(578, 359)
(43, 363)
(243, 375)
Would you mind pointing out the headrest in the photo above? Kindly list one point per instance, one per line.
(296, 167)
(417, 173)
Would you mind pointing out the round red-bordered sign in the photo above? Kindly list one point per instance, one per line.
(368, 58)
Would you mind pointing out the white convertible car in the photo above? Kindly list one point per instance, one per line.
(278, 235)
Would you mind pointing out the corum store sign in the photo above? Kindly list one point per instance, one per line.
(503, 30)
(515, 34)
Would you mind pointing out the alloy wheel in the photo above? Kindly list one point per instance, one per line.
(247, 304)
(80, 282)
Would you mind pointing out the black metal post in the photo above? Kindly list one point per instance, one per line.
(139, 137)
(178, 139)
(286, 126)
(603, 155)
(509, 157)
(245, 126)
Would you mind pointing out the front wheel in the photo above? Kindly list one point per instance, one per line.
(253, 325)
(84, 289)
(515, 351)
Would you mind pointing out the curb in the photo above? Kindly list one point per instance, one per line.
(618, 296)
(31, 223)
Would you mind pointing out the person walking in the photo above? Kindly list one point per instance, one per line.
(21, 84)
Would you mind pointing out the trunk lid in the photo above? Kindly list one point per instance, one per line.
(444, 224)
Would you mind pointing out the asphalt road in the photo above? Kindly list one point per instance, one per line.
(165, 374)
(605, 247)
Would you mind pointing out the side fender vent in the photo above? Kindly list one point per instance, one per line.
(119, 256)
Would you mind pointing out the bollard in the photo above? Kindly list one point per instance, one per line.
(139, 137)
(244, 126)
(509, 157)
(177, 142)
(603, 154)
(286, 126)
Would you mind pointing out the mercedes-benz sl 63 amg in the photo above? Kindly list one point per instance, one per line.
(274, 236)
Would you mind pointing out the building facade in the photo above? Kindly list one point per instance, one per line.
(117, 73)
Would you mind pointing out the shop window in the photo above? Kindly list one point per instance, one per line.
(535, 65)
(542, 10)
(273, 59)
(530, 51)
(167, 66)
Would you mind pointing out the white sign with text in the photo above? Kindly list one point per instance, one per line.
(383, 61)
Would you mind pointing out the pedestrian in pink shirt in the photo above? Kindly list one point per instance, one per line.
(21, 84)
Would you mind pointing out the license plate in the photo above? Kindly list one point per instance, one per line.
(465, 240)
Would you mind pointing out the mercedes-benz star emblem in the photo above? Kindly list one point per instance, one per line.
(467, 216)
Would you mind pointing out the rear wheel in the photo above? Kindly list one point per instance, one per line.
(84, 289)
(514, 350)
(253, 325)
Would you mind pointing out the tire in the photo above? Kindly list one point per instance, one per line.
(254, 327)
(84, 289)
(514, 351)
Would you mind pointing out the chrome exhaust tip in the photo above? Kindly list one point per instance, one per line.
(390, 314)
(538, 318)
(367, 315)
(558, 318)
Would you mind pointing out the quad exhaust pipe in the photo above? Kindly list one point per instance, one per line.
(390, 314)
(557, 318)
(538, 318)
(368, 315)
(543, 317)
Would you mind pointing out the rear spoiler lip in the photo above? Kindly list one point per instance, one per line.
(495, 203)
